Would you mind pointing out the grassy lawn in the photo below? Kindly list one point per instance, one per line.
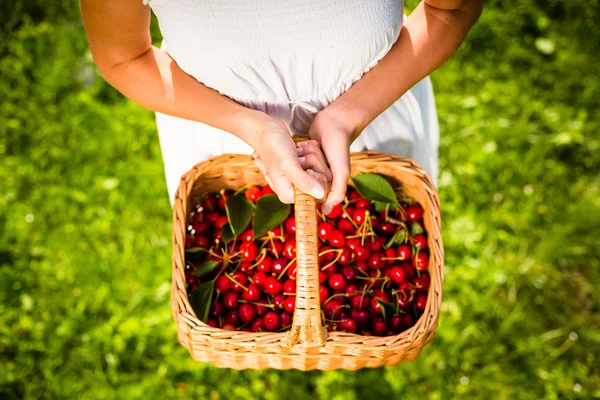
(85, 224)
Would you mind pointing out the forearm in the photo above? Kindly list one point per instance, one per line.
(428, 38)
(155, 81)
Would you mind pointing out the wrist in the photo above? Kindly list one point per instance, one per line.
(249, 125)
(348, 118)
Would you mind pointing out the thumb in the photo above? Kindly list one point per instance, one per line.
(338, 156)
(303, 181)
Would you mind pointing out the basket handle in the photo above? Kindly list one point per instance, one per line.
(307, 326)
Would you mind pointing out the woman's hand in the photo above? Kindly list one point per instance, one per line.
(285, 166)
(334, 135)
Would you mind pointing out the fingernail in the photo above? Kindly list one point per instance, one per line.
(300, 150)
(326, 209)
(301, 159)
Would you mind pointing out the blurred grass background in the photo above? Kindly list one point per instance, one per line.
(85, 224)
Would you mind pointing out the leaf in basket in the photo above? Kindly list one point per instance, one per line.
(205, 268)
(200, 299)
(398, 238)
(374, 187)
(239, 212)
(194, 250)
(270, 212)
(379, 206)
(227, 233)
(387, 309)
(415, 228)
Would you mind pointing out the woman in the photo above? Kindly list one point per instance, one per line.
(235, 76)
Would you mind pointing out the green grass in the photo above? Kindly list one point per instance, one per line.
(85, 224)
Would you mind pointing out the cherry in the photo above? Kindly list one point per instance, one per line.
(289, 286)
(189, 242)
(348, 325)
(351, 288)
(213, 323)
(337, 239)
(273, 286)
(348, 213)
(217, 309)
(414, 212)
(379, 327)
(232, 317)
(209, 202)
(398, 274)
(222, 201)
(346, 227)
(253, 293)
(265, 265)
(363, 204)
(247, 236)
(420, 301)
(202, 228)
(286, 319)
(217, 236)
(201, 241)
(396, 323)
(345, 257)
(360, 302)
(289, 304)
(353, 243)
(262, 309)
(290, 224)
(260, 278)
(323, 294)
(230, 300)
(422, 282)
(332, 309)
(375, 261)
(249, 251)
(349, 273)
(377, 244)
(291, 272)
(363, 267)
(324, 229)
(375, 306)
(420, 241)
(222, 284)
(229, 327)
(390, 254)
(361, 317)
(353, 195)
(246, 268)
(275, 232)
(258, 325)
(278, 301)
(247, 313)
(403, 252)
(404, 301)
(421, 261)
(322, 277)
(337, 282)
(409, 269)
(408, 320)
(222, 220)
(267, 190)
(276, 248)
(335, 212)
(387, 228)
(327, 254)
(279, 264)
(289, 250)
(362, 253)
(272, 322)
(253, 193)
(240, 280)
(359, 216)
(212, 217)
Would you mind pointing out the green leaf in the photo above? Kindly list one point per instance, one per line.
(239, 212)
(227, 233)
(270, 212)
(387, 309)
(200, 299)
(398, 238)
(194, 250)
(375, 187)
(206, 268)
(415, 228)
(380, 206)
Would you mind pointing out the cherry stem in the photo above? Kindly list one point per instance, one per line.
(257, 304)
(231, 278)
(263, 254)
(340, 251)
(286, 268)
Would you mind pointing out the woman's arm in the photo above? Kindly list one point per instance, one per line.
(430, 35)
(119, 37)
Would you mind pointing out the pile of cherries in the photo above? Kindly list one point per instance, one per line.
(373, 267)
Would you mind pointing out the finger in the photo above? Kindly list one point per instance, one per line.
(322, 179)
(283, 187)
(260, 165)
(338, 155)
(316, 163)
(303, 181)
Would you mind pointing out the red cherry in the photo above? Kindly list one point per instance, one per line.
(262, 309)
(267, 190)
(403, 252)
(351, 288)
(273, 286)
(209, 202)
(212, 217)
(375, 306)
(346, 227)
(337, 282)
(421, 261)
(387, 228)
(348, 325)
(201, 241)
(353, 243)
(378, 244)
(422, 282)
(324, 229)
(212, 322)
(241, 280)
(361, 317)
(289, 286)
(353, 195)
(247, 313)
(332, 309)
(323, 294)
(420, 301)
(289, 250)
(286, 319)
(222, 200)
(189, 242)
(408, 320)
(362, 253)
(349, 273)
(253, 293)
(278, 301)
(398, 274)
(229, 327)
(217, 236)
(246, 268)
(335, 212)
(322, 277)
(390, 254)
(345, 257)
(404, 301)
(348, 213)
(327, 254)
(360, 302)
(260, 278)
(291, 272)
(265, 265)
(222, 284)
(275, 232)
(272, 321)
(363, 204)
(258, 325)
(379, 327)
(278, 265)
(396, 323)
(420, 241)
(290, 224)
(375, 261)
(337, 239)
(249, 251)
(253, 193)
(359, 216)
(230, 300)
(217, 309)
(276, 248)
(414, 212)
(222, 220)
(363, 267)
(289, 304)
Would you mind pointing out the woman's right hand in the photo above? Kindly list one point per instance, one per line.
(285, 165)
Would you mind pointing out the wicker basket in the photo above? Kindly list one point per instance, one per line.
(307, 345)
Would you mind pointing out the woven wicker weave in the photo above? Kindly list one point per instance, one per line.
(306, 346)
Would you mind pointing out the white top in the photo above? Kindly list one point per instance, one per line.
(289, 59)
